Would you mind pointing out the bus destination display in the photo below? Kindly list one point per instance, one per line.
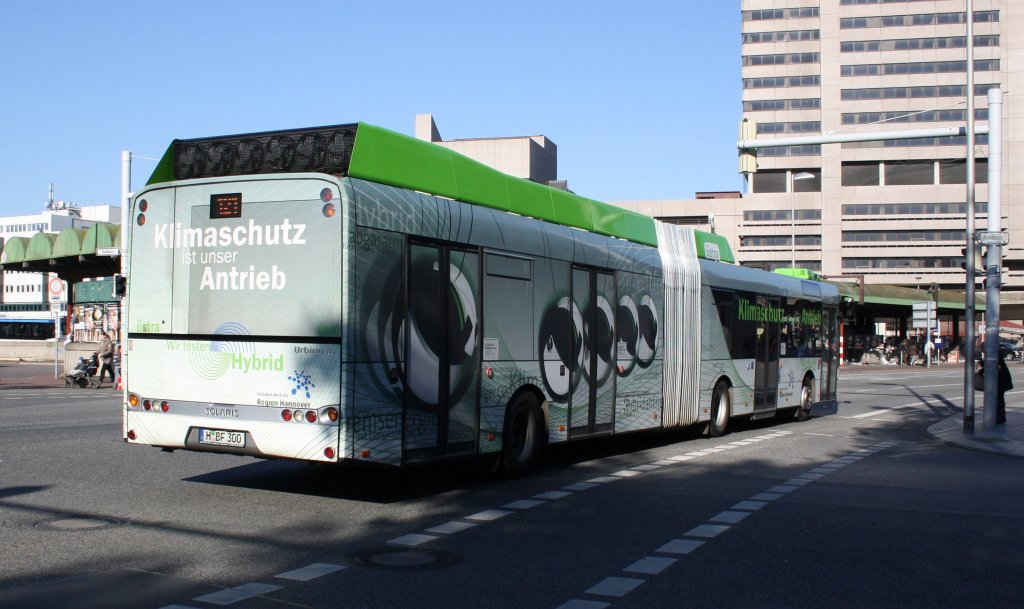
(226, 206)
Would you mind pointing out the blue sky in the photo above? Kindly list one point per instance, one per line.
(642, 99)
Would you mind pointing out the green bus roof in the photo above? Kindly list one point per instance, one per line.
(371, 153)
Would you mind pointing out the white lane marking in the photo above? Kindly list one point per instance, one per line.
(236, 594)
(706, 531)
(313, 571)
(604, 479)
(680, 546)
(650, 565)
(412, 539)
(782, 488)
(797, 481)
(681, 458)
(615, 586)
(749, 505)
(579, 486)
(581, 604)
(726, 447)
(523, 504)
(455, 526)
(489, 515)
(645, 468)
(551, 495)
(626, 473)
(696, 453)
(664, 462)
(729, 517)
(766, 496)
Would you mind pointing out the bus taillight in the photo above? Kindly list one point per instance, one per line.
(329, 210)
(164, 406)
(147, 405)
(133, 400)
(326, 195)
(331, 414)
(329, 452)
(286, 415)
(311, 416)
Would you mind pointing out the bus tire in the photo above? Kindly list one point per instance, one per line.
(803, 411)
(721, 404)
(523, 439)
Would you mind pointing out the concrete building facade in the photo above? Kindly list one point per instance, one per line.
(893, 212)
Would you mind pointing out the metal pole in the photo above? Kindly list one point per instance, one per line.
(993, 259)
(792, 219)
(969, 297)
(126, 198)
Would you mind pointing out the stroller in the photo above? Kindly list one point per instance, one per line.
(84, 373)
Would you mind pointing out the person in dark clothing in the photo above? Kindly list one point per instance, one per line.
(1005, 383)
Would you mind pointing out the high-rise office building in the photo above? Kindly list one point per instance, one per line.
(893, 211)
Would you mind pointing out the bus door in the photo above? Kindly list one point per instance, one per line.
(440, 338)
(593, 399)
(766, 363)
(829, 355)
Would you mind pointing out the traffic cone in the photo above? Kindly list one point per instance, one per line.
(117, 384)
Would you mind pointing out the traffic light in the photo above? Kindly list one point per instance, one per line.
(120, 286)
(748, 156)
(979, 264)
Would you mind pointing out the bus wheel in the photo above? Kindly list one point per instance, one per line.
(803, 412)
(524, 435)
(720, 407)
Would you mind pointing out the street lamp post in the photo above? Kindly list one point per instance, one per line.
(793, 177)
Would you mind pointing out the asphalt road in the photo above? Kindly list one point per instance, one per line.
(856, 508)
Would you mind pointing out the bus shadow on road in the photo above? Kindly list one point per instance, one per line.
(385, 485)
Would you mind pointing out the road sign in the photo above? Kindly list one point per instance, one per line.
(994, 237)
(56, 289)
(113, 252)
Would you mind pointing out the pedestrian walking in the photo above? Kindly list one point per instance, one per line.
(106, 353)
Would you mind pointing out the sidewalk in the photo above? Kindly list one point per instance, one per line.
(1006, 439)
(29, 375)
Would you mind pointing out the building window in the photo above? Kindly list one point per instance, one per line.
(915, 44)
(781, 59)
(954, 171)
(812, 240)
(917, 67)
(793, 127)
(862, 236)
(763, 105)
(913, 92)
(771, 265)
(896, 264)
(766, 215)
(780, 13)
(929, 116)
(808, 150)
(808, 215)
(911, 209)
(770, 181)
(909, 173)
(790, 36)
(765, 241)
(947, 140)
(853, 23)
(860, 173)
(782, 81)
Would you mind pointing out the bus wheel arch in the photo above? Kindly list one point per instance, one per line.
(721, 408)
(524, 434)
(803, 411)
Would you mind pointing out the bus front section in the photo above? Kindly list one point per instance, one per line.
(234, 316)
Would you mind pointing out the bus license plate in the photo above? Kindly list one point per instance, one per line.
(221, 437)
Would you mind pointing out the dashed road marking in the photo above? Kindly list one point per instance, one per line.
(310, 572)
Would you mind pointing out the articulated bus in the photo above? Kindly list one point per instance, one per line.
(350, 294)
